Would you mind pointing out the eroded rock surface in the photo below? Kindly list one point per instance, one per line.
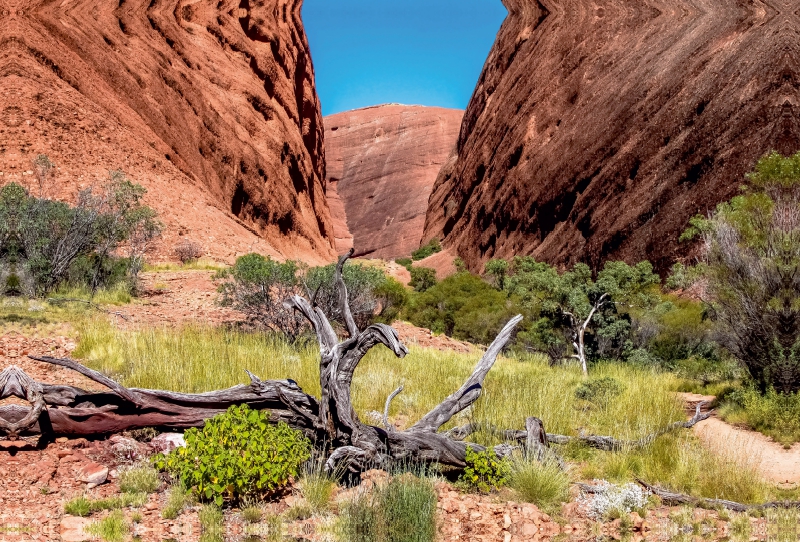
(383, 161)
(597, 129)
(210, 105)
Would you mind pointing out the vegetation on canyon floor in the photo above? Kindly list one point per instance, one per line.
(600, 353)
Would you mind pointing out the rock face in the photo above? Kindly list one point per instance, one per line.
(211, 105)
(597, 129)
(384, 161)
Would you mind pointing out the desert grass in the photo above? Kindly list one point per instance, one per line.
(201, 264)
(112, 528)
(84, 506)
(198, 359)
(139, 479)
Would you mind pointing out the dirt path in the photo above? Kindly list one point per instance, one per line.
(772, 460)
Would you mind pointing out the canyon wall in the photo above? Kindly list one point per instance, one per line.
(382, 163)
(210, 104)
(597, 129)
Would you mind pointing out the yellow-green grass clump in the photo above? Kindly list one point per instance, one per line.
(197, 359)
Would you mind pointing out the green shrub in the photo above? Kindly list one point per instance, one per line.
(362, 282)
(404, 510)
(423, 252)
(237, 454)
(422, 278)
(543, 484)
(599, 390)
(392, 298)
(462, 306)
(405, 262)
(484, 471)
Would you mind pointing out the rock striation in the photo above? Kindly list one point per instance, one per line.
(211, 105)
(383, 162)
(597, 129)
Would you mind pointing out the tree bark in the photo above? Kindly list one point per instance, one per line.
(330, 421)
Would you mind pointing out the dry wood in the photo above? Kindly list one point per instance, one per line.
(330, 421)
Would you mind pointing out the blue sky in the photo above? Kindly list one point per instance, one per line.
(369, 52)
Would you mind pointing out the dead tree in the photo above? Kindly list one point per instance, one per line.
(330, 421)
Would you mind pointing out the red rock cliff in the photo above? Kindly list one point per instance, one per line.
(383, 162)
(211, 105)
(597, 129)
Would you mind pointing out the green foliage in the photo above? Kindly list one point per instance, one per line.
(462, 306)
(317, 485)
(544, 484)
(422, 278)
(429, 249)
(776, 415)
(484, 472)
(405, 262)
(497, 269)
(210, 517)
(46, 243)
(258, 286)
(392, 298)
(361, 281)
(752, 254)
(112, 528)
(139, 479)
(237, 454)
(403, 510)
(459, 264)
(599, 390)
(561, 302)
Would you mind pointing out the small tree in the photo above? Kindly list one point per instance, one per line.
(422, 278)
(258, 286)
(496, 270)
(752, 268)
(572, 304)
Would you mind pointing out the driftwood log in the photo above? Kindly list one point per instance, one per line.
(330, 421)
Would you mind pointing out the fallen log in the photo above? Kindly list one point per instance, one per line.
(330, 421)
(671, 498)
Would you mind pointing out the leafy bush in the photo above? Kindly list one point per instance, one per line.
(599, 390)
(237, 454)
(361, 281)
(462, 306)
(423, 252)
(422, 278)
(43, 240)
(484, 471)
(752, 251)
(403, 510)
(392, 298)
(258, 286)
(544, 484)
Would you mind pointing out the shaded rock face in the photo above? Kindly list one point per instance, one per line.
(597, 129)
(384, 161)
(211, 105)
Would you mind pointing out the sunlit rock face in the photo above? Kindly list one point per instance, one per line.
(383, 162)
(211, 105)
(597, 129)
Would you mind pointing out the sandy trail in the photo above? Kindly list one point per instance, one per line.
(772, 460)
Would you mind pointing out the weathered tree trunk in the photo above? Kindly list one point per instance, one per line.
(331, 420)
